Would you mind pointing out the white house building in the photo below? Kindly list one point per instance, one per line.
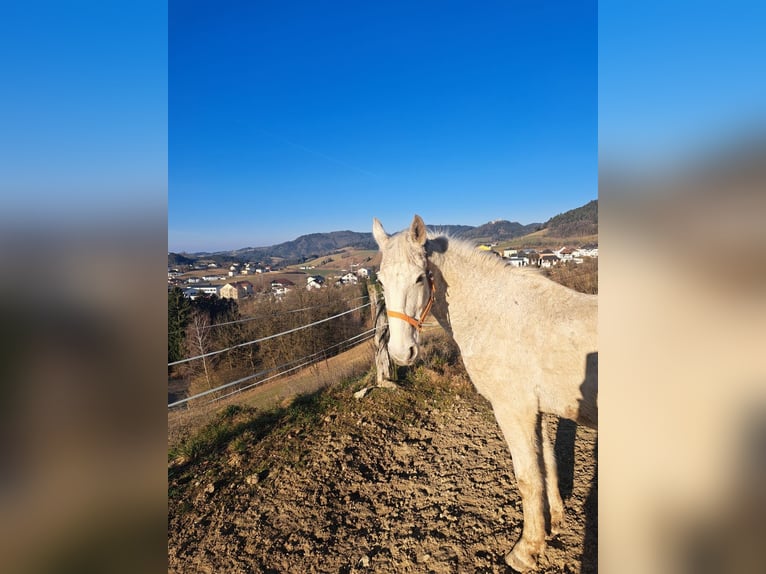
(518, 261)
(349, 279)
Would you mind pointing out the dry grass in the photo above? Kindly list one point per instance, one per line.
(582, 277)
(541, 240)
(183, 423)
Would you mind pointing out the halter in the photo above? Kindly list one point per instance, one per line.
(418, 323)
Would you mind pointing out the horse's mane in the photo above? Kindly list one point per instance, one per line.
(468, 250)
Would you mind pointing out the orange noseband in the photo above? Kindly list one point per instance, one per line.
(418, 323)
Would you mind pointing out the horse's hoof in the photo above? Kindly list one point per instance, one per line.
(520, 562)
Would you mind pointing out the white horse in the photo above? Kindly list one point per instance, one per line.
(528, 344)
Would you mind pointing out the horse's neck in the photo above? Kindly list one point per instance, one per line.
(457, 273)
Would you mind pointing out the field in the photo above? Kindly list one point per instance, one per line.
(541, 240)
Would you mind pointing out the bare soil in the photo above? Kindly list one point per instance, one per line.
(415, 479)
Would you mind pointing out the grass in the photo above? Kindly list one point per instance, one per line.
(341, 261)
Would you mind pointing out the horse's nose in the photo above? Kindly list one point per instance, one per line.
(405, 356)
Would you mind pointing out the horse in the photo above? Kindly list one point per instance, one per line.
(528, 344)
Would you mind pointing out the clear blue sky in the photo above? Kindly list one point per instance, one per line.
(287, 118)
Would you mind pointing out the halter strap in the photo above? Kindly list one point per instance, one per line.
(418, 323)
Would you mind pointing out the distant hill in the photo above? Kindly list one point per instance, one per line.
(575, 222)
(502, 230)
(310, 246)
(175, 260)
(579, 222)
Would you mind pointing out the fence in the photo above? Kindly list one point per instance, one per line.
(275, 371)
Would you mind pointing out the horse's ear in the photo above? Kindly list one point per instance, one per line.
(380, 235)
(418, 231)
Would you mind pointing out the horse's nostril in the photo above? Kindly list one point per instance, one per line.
(413, 353)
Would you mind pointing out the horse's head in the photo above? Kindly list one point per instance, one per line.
(408, 286)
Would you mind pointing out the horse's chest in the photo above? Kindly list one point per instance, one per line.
(486, 370)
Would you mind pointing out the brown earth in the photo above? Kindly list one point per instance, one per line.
(415, 479)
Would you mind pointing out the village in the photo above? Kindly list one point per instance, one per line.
(210, 278)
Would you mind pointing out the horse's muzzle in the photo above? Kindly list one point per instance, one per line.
(404, 357)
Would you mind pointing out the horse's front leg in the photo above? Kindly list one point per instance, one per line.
(522, 432)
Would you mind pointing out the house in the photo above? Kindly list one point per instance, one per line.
(208, 289)
(590, 250)
(518, 261)
(349, 279)
(565, 253)
(548, 259)
(314, 282)
(281, 286)
(507, 253)
(363, 273)
(194, 292)
(237, 290)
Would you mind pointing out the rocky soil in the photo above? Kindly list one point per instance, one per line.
(415, 479)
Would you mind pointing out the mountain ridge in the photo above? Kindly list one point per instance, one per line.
(579, 221)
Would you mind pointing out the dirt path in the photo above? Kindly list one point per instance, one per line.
(417, 479)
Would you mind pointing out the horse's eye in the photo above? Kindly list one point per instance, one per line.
(420, 279)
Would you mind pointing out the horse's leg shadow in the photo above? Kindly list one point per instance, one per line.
(566, 434)
(565, 455)
(590, 544)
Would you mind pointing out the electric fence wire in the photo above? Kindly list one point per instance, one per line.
(368, 334)
(255, 318)
(213, 353)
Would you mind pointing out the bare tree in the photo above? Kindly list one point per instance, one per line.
(199, 340)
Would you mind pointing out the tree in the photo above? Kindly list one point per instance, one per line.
(199, 339)
(179, 309)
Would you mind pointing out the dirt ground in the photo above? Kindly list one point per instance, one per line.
(416, 479)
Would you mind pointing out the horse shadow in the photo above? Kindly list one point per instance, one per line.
(564, 448)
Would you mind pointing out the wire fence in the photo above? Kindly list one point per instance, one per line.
(281, 369)
(269, 316)
(278, 370)
(307, 361)
(262, 339)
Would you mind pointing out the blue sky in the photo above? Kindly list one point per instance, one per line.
(287, 118)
